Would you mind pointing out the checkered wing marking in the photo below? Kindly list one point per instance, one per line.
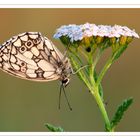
(30, 56)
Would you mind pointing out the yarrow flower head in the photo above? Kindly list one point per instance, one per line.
(89, 35)
(78, 32)
(72, 31)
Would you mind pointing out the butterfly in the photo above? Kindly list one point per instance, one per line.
(34, 57)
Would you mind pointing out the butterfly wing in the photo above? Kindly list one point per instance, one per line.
(30, 56)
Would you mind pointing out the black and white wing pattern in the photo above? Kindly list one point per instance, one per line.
(31, 56)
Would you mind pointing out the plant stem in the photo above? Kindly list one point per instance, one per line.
(97, 58)
(95, 90)
(104, 70)
(92, 85)
(80, 73)
(101, 106)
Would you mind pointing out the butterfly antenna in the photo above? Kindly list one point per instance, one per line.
(59, 103)
(62, 86)
(60, 93)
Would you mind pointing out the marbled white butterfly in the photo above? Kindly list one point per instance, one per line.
(33, 57)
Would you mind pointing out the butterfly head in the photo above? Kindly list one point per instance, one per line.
(65, 82)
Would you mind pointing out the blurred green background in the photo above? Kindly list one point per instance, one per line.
(27, 105)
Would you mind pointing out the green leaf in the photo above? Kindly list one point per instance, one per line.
(120, 111)
(54, 128)
(118, 53)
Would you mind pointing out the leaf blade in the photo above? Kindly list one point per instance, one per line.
(120, 111)
(53, 128)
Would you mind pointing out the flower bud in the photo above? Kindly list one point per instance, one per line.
(86, 41)
(99, 39)
(112, 40)
(122, 40)
(129, 39)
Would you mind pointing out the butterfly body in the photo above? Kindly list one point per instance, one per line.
(33, 57)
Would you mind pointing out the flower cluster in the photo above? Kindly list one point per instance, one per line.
(78, 32)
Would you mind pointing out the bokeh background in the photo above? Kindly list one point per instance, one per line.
(27, 105)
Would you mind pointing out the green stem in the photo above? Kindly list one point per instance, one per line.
(91, 71)
(104, 70)
(95, 93)
(92, 64)
(80, 73)
(95, 90)
(97, 58)
(92, 85)
(83, 53)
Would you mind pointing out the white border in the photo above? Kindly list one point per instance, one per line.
(68, 2)
(69, 6)
(69, 135)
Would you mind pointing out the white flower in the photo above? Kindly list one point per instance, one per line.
(134, 34)
(78, 32)
(103, 30)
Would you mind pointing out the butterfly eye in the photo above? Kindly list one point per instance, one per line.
(29, 44)
(22, 49)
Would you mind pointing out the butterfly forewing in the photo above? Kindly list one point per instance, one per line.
(31, 56)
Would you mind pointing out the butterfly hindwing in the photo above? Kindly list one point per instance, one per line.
(30, 56)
